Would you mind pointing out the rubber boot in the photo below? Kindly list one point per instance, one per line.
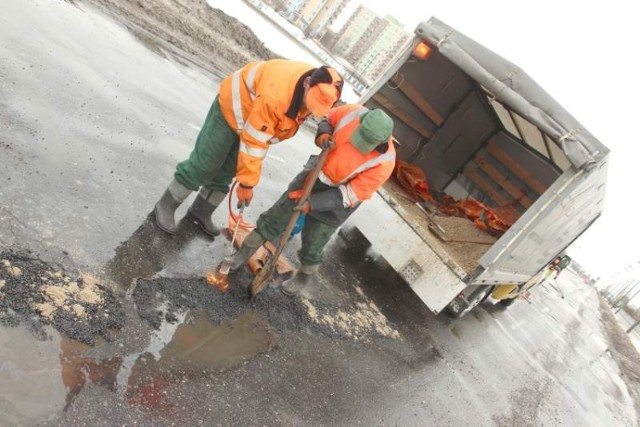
(299, 280)
(165, 209)
(250, 244)
(202, 208)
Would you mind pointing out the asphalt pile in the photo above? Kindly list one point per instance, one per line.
(162, 299)
(37, 294)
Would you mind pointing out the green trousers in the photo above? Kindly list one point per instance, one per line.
(315, 234)
(212, 163)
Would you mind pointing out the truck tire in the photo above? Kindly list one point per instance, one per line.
(354, 239)
(474, 300)
(507, 302)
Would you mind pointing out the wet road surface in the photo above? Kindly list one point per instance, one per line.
(92, 123)
(627, 321)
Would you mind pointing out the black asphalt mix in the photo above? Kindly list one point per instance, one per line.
(160, 299)
(24, 282)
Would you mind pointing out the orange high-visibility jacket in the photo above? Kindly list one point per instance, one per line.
(356, 175)
(256, 101)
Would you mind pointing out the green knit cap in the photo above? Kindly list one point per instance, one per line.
(375, 129)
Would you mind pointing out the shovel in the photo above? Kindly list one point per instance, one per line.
(265, 274)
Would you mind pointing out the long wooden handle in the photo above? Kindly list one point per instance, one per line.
(312, 177)
(265, 274)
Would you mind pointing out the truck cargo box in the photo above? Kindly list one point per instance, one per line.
(479, 128)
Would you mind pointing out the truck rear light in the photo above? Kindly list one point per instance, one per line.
(421, 51)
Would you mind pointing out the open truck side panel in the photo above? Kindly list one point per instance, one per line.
(432, 275)
(479, 127)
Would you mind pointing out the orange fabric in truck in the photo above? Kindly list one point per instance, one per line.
(412, 179)
(494, 221)
(483, 217)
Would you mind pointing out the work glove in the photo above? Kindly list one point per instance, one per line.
(325, 141)
(295, 196)
(245, 194)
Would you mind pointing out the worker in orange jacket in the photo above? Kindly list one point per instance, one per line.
(261, 104)
(361, 158)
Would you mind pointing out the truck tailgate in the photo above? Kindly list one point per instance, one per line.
(434, 277)
(462, 257)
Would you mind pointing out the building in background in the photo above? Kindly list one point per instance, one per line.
(359, 26)
(313, 17)
(277, 5)
(386, 45)
(324, 17)
(369, 42)
(362, 48)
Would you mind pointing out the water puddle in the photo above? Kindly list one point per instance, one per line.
(147, 251)
(31, 387)
(43, 379)
(195, 347)
(198, 346)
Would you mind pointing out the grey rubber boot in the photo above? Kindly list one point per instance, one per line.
(250, 244)
(165, 209)
(299, 280)
(202, 208)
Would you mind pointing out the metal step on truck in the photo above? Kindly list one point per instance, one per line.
(480, 129)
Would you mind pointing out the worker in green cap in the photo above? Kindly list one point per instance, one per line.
(361, 158)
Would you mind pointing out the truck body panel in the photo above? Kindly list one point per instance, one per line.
(555, 220)
(433, 276)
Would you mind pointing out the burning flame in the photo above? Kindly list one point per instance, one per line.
(218, 280)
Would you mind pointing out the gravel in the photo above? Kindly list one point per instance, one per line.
(160, 299)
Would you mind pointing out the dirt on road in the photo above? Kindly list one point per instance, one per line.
(219, 41)
(623, 352)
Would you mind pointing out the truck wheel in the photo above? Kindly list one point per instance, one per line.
(474, 300)
(354, 239)
(507, 302)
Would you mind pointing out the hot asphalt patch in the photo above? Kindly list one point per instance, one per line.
(163, 298)
(36, 294)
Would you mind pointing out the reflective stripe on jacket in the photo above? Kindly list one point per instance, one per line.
(255, 101)
(355, 174)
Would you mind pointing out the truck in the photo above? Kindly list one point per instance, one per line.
(480, 129)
